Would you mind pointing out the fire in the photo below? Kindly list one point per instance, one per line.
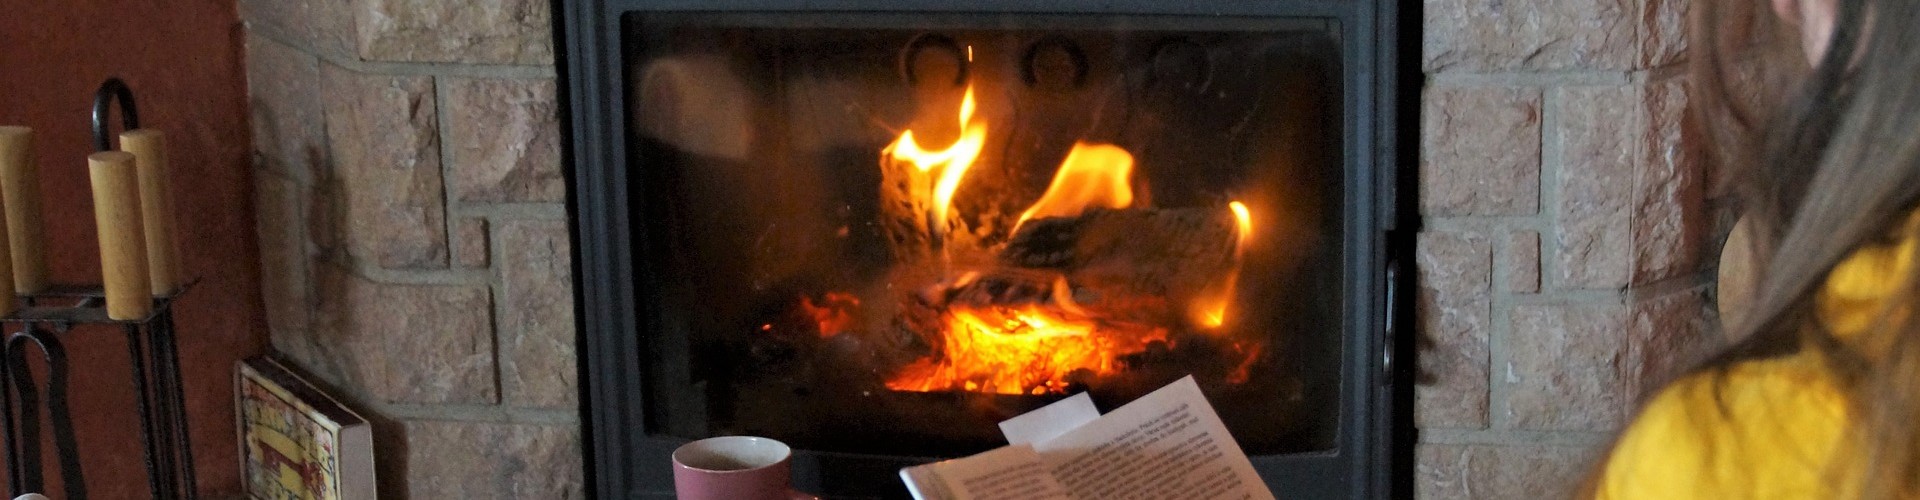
(1046, 341)
(1211, 309)
(1243, 219)
(1093, 175)
(1031, 349)
(1021, 350)
(950, 163)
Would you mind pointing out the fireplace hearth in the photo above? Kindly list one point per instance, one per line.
(873, 231)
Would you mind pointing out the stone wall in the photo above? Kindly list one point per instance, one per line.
(414, 247)
(415, 252)
(1565, 229)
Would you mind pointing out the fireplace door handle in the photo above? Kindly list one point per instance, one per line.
(933, 41)
(1392, 323)
(1031, 71)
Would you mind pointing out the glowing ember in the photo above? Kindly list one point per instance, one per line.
(834, 314)
(1028, 350)
(1244, 370)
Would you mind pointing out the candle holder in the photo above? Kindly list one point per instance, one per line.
(54, 312)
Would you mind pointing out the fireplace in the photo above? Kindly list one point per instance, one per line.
(874, 231)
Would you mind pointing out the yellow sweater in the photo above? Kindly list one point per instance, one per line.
(1773, 430)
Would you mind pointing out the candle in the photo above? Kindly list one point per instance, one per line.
(123, 253)
(20, 193)
(149, 148)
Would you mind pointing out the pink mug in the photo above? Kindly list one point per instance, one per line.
(734, 468)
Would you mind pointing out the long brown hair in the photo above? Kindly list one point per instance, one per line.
(1833, 166)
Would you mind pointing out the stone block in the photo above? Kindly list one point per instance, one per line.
(451, 31)
(1523, 262)
(1664, 37)
(1669, 335)
(283, 96)
(470, 243)
(285, 285)
(1632, 200)
(1501, 35)
(537, 340)
(1480, 152)
(1568, 367)
(1670, 220)
(493, 461)
(1454, 310)
(504, 140)
(323, 25)
(409, 343)
(1497, 472)
(386, 177)
(1550, 35)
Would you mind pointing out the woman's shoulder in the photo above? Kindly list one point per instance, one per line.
(1765, 428)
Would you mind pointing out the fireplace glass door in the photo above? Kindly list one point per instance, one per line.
(884, 233)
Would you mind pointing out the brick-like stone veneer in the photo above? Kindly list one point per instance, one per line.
(414, 239)
(415, 249)
(1564, 231)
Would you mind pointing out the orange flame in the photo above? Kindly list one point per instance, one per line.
(1033, 349)
(1093, 175)
(951, 162)
(1211, 309)
(1020, 350)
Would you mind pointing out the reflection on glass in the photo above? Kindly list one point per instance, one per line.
(886, 236)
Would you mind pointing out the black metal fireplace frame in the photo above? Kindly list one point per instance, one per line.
(1374, 459)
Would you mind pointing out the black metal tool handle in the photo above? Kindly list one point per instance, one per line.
(111, 90)
(58, 412)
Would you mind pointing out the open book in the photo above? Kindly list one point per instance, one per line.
(1167, 444)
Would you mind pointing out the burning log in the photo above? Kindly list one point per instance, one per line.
(1169, 253)
(904, 208)
(918, 185)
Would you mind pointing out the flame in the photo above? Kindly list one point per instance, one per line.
(1245, 221)
(1034, 349)
(1093, 175)
(951, 163)
(1020, 350)
(1030, 348)
(1212, 307)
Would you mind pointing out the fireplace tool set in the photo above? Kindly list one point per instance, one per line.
(141, 277)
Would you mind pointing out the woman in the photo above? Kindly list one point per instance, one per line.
(1822, 397)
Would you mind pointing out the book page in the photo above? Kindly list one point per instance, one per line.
(1050, 421)
(1168, 444)
(1006, 473)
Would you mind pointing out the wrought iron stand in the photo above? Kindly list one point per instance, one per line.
(52, 314)
(157, 393)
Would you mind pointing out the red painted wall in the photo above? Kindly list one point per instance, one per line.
(183, 60)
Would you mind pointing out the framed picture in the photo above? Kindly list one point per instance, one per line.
(295, 441)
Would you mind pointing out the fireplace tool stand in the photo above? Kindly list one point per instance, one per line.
(158, 398)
